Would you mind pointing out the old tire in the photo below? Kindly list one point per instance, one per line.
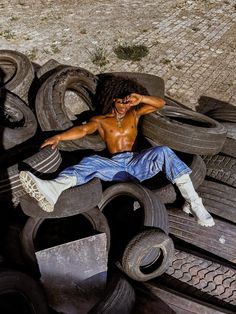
(29, 232)
(155, 214)
(21, 123)
(167, 193)
(221, 168)
(229, 147)
(219, 199)
(184, 130)
(50, 106)
(71, 202)
(20, 293)
(93, 141)
(45, 161)
(18, 72)
(139, 247)
(202, 278)
(119, 297)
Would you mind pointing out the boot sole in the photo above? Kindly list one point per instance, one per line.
(31, 188)
(209, 223)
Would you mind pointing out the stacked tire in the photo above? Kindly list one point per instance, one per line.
(148, 235)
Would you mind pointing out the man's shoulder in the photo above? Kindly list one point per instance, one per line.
(100, 118)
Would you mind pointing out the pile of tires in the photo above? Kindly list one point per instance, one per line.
(148, 235)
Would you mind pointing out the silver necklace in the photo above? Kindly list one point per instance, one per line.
(119, 121)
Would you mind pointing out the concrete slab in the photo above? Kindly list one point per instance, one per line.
(74, 273)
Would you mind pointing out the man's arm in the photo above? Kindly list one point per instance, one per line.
(148, 103)
(73, 133)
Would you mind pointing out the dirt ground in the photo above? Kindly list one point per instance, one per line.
(191, 44)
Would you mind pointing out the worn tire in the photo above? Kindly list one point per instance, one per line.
(155, 214)
(139, 247)
(45, 161)
(198, 134)
(21, 123)
(119, 297)
(231, 129)
(219, 199)
(227, 114)
(202, 278)
(218, 241)
(221, 168)
(50, 106)
(229, 147)
(20, 293)
(18, 81)
(167, 194)
(93, 141)
(32, 225)
(71, 202)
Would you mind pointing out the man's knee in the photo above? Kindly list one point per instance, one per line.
(163, 150)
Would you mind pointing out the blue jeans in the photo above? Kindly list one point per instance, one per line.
(129, 166)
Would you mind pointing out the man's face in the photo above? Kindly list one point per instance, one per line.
(122, 105)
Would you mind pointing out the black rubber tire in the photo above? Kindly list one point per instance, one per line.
(202, 278)
(50, 106)
(197, 134)
(71, 202)
(231, 129)
(221, 168)
(229, 147)
(21, 124)
(174, 103)
(139, 247)
(219, 199)
(45, 161)
(227, 114)
(167, 194)
(48, 66)
(154, 84)
(32, 225)
(93, 141)
(119, 297)
(23, 75)
(155, 214)
(15, 284)
(219, 240)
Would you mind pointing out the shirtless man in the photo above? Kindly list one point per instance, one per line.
(118, 129)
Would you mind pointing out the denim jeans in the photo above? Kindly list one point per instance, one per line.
(129, 166)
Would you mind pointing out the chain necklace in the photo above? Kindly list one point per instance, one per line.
(119, 121)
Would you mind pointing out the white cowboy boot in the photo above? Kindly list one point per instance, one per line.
(193, 202)
(46, 192)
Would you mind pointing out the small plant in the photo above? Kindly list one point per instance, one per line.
(55, 48)
(99, 57)
(32, 54)
(195, 28)
(7, 34)
(14, 18)
(133, 52)
(165, 61)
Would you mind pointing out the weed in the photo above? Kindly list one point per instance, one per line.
(165, 61)
(8, 34)
(99, 57)
(195, 28)
(32, 54)
(55, 48)
(14, 18)
(133, 52)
